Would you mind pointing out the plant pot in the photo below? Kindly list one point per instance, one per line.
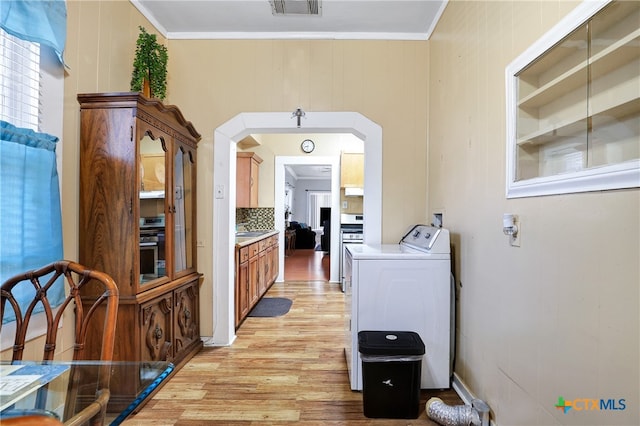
(146, 88)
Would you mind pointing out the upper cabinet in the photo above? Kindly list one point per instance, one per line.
(352, 170)
(573, 104)
(247, 183)
(137, 190)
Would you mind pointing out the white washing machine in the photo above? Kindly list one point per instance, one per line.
(402, 287)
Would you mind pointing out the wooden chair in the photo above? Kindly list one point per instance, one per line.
(88, 313)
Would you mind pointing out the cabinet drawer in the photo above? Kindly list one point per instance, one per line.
(244, 254)
(254, 249)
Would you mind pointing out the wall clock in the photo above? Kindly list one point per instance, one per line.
(307, 146)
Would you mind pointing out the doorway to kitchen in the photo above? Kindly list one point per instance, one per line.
(222, 270)
(303, 215)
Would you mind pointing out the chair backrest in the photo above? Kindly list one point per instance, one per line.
(76, 277)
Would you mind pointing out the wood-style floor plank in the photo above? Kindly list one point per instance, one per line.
(280, 371)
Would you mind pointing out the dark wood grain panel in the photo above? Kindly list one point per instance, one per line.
(107, 189)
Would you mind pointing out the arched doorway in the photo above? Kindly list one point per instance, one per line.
(224, 170)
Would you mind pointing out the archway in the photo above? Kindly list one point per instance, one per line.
(224, 170)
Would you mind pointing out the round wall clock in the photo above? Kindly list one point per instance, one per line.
(307, 145)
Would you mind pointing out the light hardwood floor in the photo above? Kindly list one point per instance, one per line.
(307, 265)
(286, 370)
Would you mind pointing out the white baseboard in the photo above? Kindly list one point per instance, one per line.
(465, 394)
(207, 341)
(462, 390)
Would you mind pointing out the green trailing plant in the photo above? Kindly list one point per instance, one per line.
(150, 62)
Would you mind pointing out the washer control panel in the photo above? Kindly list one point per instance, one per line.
(422, 237)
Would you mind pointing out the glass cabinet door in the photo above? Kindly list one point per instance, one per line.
(573, 103)
(183, 208)
(552, 104)
(152, 259)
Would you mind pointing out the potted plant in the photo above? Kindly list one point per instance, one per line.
(149, 66)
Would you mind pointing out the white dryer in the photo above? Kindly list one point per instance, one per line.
(402, 287)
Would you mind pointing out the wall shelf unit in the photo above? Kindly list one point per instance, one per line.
(573, 104)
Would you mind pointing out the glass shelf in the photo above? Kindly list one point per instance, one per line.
(573, 103)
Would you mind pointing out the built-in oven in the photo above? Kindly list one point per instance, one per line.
(351, 232)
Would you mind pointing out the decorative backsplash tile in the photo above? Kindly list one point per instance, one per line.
(258, 219)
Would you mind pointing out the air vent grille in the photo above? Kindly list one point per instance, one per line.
(295, 7)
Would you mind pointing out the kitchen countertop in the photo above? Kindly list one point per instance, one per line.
(242, 241)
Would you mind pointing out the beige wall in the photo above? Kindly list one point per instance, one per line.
(559, 315)
(213, 81)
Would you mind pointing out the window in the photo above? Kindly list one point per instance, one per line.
(19, 82)
(31, 94)
(573, 105)
(317, 200)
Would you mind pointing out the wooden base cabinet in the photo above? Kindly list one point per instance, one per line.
(256, 271)
(242, 284)
(137, 222)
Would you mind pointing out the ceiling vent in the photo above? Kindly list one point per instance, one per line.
(295, 7)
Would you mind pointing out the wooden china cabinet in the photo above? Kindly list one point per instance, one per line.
(137, 221)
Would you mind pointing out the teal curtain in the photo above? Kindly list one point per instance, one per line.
(38, 21)
(30, 214)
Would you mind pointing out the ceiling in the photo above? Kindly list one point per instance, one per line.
(337, 19)
(308, 171)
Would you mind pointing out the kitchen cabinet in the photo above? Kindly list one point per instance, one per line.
(242, 284)
(352, 170)
(256, 271)
(272, 260)
(573, 103)
(247, 179)
(137, 221)
(254, 275)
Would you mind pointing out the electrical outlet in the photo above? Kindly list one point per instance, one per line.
(219, 192)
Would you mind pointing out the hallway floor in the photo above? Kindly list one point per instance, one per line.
(281, 370)
(307, 265)
(287, 370)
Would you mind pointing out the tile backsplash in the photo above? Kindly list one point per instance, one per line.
(256, 219)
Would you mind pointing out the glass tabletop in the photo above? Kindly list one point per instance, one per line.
(69, 389)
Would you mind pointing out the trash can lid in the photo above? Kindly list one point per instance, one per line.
(390, 343)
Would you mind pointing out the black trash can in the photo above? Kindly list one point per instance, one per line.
(391, 370)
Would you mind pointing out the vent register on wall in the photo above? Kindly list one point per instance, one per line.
(137, 221)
